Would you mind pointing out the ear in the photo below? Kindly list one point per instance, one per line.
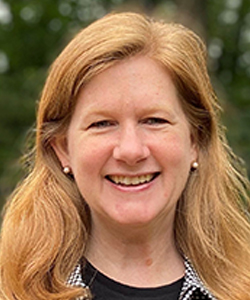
(60, 146)
(194, 149)
(195, 152)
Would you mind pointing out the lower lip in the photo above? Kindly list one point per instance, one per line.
(133, 188)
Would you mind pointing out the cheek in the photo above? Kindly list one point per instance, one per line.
(177, 149)
(87, 156)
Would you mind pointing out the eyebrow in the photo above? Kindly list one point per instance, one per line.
(109, 113)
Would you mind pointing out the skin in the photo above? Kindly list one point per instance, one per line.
(130, 150)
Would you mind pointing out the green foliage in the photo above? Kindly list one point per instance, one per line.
(229, 32)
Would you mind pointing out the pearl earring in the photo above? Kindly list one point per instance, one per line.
(66, 170)
(195, 165)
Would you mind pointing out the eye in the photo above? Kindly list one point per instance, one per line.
(155, 121)
(101, 124)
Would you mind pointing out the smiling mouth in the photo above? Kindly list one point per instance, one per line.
(132, 180)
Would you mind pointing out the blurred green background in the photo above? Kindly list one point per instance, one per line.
(33, 32)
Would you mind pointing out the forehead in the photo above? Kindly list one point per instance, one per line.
(135, 88)
(138, 77)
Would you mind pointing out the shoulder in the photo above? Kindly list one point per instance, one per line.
(193, 287)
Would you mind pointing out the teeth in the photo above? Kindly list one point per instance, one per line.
(136, 180)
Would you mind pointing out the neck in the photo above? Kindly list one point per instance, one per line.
(142, 256)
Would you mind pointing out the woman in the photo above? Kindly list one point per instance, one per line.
(133, 193)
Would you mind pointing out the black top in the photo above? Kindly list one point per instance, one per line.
(104, 288)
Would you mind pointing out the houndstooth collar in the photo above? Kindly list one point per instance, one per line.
(192, 289)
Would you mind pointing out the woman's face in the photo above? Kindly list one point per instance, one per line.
(129, 144)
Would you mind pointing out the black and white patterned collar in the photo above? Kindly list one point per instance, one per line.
(192, 289)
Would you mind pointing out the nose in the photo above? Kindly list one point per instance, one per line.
(131, 148)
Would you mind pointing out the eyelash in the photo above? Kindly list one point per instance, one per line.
(101, 124)
(149, 121)
(154, 121)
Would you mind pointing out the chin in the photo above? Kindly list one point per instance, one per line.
(135, 219)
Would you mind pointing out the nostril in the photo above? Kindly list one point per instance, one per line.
(131, 149)
(131, 154)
